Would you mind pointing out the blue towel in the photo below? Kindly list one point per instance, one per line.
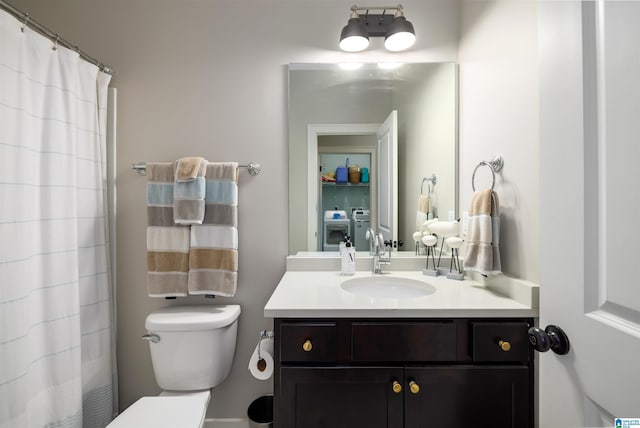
(221, 192)
(194, 189)
(159, 194)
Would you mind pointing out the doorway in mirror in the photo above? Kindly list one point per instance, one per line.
(345, 187)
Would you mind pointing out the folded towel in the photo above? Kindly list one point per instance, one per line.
(213, 255)
(188, 169)
(189, 191)
(167, 244)
(482, 245)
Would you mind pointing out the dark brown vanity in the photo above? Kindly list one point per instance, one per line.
(403, 372)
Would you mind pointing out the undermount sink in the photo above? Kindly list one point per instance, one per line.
(388, 287)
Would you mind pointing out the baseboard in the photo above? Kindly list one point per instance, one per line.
(226, 423)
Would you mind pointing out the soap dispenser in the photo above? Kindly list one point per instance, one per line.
(348, 258)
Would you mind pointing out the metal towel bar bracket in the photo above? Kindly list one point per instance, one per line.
(495, 165)
(253, 168)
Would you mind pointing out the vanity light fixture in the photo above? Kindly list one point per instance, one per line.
(397, 31)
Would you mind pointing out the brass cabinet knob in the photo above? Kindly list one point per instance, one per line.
(307, 346)
(414, 387)
(504, 345)
(397, 387)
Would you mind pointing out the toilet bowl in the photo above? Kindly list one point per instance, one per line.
(192, 349)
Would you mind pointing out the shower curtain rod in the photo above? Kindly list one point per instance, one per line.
(26, 19)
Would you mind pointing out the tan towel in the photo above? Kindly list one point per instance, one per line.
(188, 168)
(422, 213)
(167, 244)
(423, 204)
(482, 245)
(213, 256)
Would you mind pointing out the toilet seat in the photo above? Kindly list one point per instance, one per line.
(186, 410)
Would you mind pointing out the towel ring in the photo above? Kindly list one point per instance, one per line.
(432, 183)
(494, 165)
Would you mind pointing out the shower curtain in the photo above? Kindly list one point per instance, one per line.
(56, 314)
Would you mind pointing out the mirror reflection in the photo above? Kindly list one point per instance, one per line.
(361, 144)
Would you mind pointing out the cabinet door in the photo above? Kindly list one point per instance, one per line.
(466, 396)
(337, 397)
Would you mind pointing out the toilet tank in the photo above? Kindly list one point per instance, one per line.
(195, 345)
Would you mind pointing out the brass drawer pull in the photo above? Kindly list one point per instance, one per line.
(504, 345)
(414, 387)
(307, 346)
(396, 387)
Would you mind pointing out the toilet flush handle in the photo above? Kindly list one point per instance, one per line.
(151, 338)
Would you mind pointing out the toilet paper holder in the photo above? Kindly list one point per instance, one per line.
(261, 362)
(264, 334)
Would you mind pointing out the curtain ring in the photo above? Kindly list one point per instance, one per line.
(55, 42)
(25, 22)
(493, 175)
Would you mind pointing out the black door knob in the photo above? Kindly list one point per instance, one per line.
(552, 337)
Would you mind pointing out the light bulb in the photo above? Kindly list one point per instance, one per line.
(354, 43)
(400, 41)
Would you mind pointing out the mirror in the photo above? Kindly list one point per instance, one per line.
(327, 100)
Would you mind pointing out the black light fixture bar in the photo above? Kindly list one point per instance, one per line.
(397, 31)
(377, 24)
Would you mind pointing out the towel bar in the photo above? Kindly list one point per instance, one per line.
(495, 165)
(252, 167)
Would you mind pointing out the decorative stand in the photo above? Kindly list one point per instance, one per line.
(455, 243)
(430, 241)
(449, 230)
(416, 237)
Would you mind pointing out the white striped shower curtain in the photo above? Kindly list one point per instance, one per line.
(56, 315)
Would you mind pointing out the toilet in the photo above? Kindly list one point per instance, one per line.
(192, 349)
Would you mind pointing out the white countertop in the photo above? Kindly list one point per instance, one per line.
(317, 294)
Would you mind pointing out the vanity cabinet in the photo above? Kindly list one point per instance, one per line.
(397, 373)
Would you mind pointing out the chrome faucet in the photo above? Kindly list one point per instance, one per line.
(380, 256)
(370, 236)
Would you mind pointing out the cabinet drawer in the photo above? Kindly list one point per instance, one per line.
(403, 341)
(500, 341)
(308, 342)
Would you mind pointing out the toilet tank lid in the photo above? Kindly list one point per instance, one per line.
(193, 317)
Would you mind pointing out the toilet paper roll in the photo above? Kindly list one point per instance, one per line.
(262, 368)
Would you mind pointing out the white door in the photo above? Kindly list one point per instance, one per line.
(590, 206)
(388, 177)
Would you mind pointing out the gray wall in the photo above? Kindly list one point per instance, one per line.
(208, 78)
(499, 114)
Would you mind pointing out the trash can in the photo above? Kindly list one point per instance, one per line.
(260, 412)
